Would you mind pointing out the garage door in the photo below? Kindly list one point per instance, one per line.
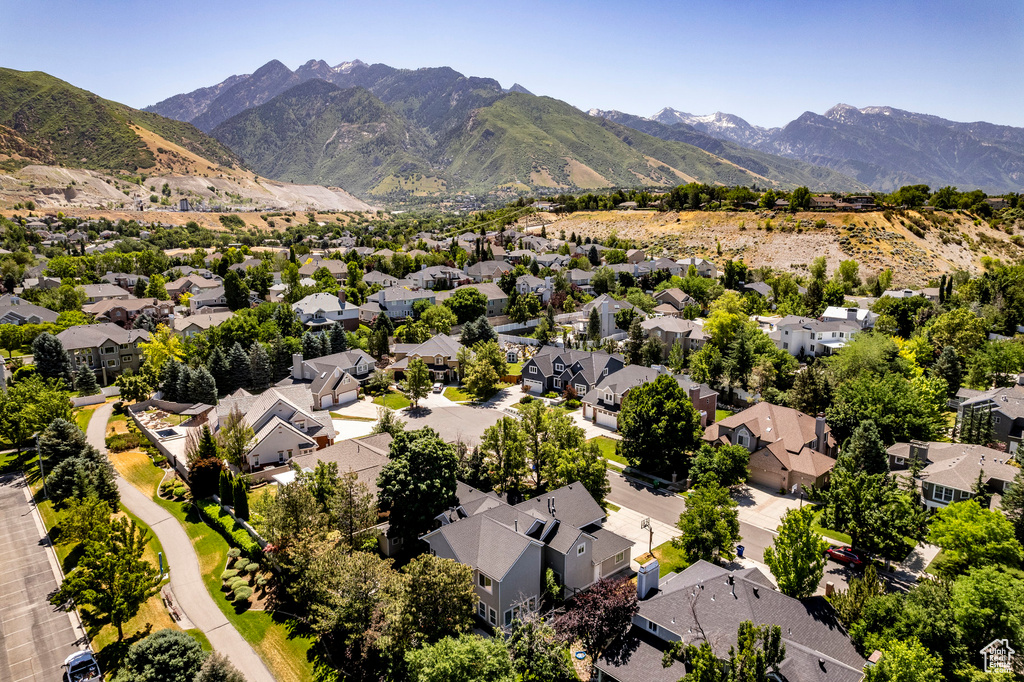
(326, 402)
(607, 419)
(346, 398)
(532, 386)
(769, 479)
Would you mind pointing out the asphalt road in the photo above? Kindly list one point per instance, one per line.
(35, 638)
(666, 507)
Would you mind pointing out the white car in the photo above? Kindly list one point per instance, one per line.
(438, 387)
(81, 666)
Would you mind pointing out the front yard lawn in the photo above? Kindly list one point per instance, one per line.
(393, 400)
(833, 535)
(456, 394)
(607, 446)
(670, 559)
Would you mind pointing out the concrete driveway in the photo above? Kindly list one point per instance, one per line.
(763, 508)
(453, 421)
(35, 638)
(626, 522)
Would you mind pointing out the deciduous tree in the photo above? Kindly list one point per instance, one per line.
(710, 525)
(418, 483)
(971, 536)
(417, 381)
(659, 427)
(797, 555)
(441, 598)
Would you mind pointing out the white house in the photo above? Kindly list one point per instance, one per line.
(807, 336)
(323, 310)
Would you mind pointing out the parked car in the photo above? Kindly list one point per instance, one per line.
(81, 666)
(846, 555)
(438, 387)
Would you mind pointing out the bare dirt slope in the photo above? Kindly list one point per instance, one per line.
(783, 241)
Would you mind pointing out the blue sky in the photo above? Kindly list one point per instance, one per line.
(767, 61)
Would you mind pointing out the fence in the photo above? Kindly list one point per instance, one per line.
(521, 340)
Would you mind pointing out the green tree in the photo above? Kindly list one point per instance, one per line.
(157, 288)
(724, 465)
(659, 427)
(201, 386)
(906, 661)
(872, 509)
(50, 358)
(949, 368)
(505, 443)
(241, 372)
(797, 555)
(235, 438)
(440, 319)
(235, 291)
(865, 451)
(466, 658)
(586, 465)
(537, 655)
(259, 367)
(133, 386)
(902, 409)
(800, 198)
(112, 577)
(89, 473)
(988, 602)
(85, 381)
(863, 590)
(353, 508)
(971, 536)
(217, 668)
(433, 616)
(468, 304)
(418, 483)
(60, 440)
(164, 656)
(594, 326)
(959, 328)
(706, 365)
(240, 497)
(476, 331)
(417, 381)
(1013, 505)
(710, 525)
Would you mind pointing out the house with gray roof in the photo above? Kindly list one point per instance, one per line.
(381, 279)
(951, 470)
(193, 283)
(337, 268)
(105, 348)
(193, 324)
(103, 292)
(669, 330)
(581, 279)
(323, 310)
(706, 603)
(437, 277)
(397, 301)
(541, 288)
(497, 300)
(607, 308)
(333, 379)
(555, 369)
(1006, 405)
(807, 336)
(675, 301)
(285, 420)
(208, 300)
(704, 268)
(487, 270)
(603, 402)
(16, 310)
(511, 547)
(440, 353)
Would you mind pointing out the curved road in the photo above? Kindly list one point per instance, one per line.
(186, 580)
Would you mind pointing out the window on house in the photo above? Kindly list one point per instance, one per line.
(289, 454)
(109, 350)
(785, 345)
(899, 460)
(741, 439)
(812, 347)
(652, 626)
(126, 358)
(942, 494)
(580, 389)
(620, 556)
(111, 363)
(492, 616)
(559, 367)
(508, 617)
(255, 460)
(481, 609)
(280, 456)
(533, 369)
(581, 548)
(558, 383)
(605, 373)
(995, 420)
(439, 360)
(484, 581)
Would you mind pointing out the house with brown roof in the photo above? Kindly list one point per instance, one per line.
(123, 312)
(105, 348)
(440, 353)
(787, 447)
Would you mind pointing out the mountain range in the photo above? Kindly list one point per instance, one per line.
(389, 133)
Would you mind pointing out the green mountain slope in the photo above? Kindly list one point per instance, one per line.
(319, 133)
(46, 120)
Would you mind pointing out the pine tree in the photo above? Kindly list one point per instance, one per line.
(241, 499)
(281, 358)
(594, 326)
(325, 344)
(238, 361)
(339, 343)
(635, 343)
(948, 367)
(225, 488)
(201, 387)
(220, 370)
(140, 288)
(183, 391)
(259, 367)
(52, 361)
(310, 346)
(171, 374)
(85, 381)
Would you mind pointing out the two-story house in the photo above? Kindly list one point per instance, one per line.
(194, 324)
(397, 302)
(705, 604)
(554, 369)
(704, 268)
(103, 292)
(105, 348)
(123, 312)
(193, 284)
(581, 279)
(672, 302)
(603, 403)
(607, 308)
(541, 288)
(801, 336)
(437, 277)
(950, 471)
(1005, 405)
(787, 447)
(285, 421)
(440, 353)
(487, 270)
(862, 316)
(337, 268)
(212, 298)
(334, 379)
(16, 310)
(323, 310)
(511, 547)
(381, 279)
(669, 330)
(497, 300)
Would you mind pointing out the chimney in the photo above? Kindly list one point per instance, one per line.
(341, 295)
(851, 314)
(819, 432)
(647, 577)
(297, 366)
(919, 451)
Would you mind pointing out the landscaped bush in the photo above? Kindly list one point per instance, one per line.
(179, 490)
(551, 395)
(252, 567)
(229, 574)
(241, 562)
(238, 582)
(234, 552)
(526, 399)
(222, 521)
(243, 594)
(572, 404)
(166, 487)
(261, 581)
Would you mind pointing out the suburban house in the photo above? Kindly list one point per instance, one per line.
(607, 307)
(554, 369)
(15, 310)
(511, 547)
(381, 279)
(862, 316)
(124, 311)
(807, 336)
(192, 284)
(440, 353)
(285, 420)
(581, 279)
(105, 348)
(334, 379)
(1006, 406)
(337, 268)
(437, 277)
(668, 330)
(673, 301)
(705, 268)
(323, 310)
(602, 404)
(707, 603)
(396, 302)
(125, 280)
(951, 470)
(636, 256)
(497, 300)
(787, 447)
(103, 292)
(193, 324)
(214, 297)
(487, 270)
(541, 288)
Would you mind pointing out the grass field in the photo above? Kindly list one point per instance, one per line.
(607, 446)
(456, 394)
(670, 559)
(829, 534)
(393, 400)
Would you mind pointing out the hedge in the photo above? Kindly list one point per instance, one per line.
(243, 593)
(229, 574)
(120, 442)
(228, 527)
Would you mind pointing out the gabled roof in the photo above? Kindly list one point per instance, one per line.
(321, 302)
(483, 543)
(441, 344)
(204, 321)
(94, 335)
(771, 423)
(572, 504)
(104, 289)
(957, 465)
(365, 456)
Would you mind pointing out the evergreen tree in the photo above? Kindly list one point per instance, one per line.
(676, 357)
(325, 344)
(241, 498)
(310, 346)
(184, 384)
(950, 369)
(864, 451)
(339, 343)
(225, 489)
(593, 256)
(171, 375)
(635, 343)
(220, 370)
(942, 289)
(281, 357)
(201, 386)
(259, 367)
(238, 361)
(60, 440)
(594, 326)
(140, 288)
(51, 360)
(145, 321)
(85, 381)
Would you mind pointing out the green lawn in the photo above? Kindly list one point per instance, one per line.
(515, 369)
(456, 394)
(345, 417)
(722, 414)
(829, 534)
(611, 506)
(607, 446)
(393, 400)
(670, 559)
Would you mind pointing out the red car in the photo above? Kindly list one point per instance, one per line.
(846, 555)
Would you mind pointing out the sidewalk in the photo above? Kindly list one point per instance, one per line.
(186, 580)
(626, 522)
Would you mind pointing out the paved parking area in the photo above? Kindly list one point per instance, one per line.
(34, 637)
(457, 422)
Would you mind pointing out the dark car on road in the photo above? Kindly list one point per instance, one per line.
(847, 555)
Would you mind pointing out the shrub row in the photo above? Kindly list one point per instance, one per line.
(120, 442)
(228, 527)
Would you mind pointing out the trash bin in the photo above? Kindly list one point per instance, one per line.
(739, 551)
